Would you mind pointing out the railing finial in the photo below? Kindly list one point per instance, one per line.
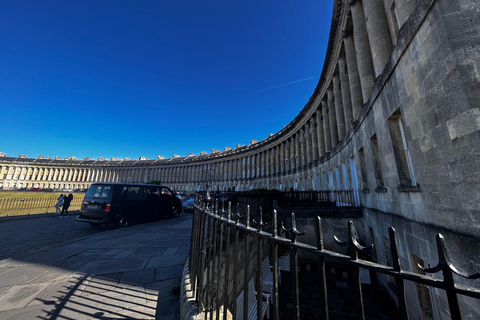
(444, 261)
(352, 241)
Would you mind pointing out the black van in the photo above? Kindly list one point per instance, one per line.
(122, 203)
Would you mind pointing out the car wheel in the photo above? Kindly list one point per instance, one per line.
(124, 222)
(175, 212)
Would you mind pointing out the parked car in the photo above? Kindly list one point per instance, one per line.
(188, 205)
(123, 203)
(35, 189)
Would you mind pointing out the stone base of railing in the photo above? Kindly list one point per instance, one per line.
(188, 306)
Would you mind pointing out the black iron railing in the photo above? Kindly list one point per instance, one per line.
(226, 254)
(338, 198)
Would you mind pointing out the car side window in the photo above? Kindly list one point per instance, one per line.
(166, 191)
(133, 193)
(100, 192)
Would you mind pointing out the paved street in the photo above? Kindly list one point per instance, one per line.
(57, 268)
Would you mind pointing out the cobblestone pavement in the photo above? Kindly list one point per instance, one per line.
(57, 268)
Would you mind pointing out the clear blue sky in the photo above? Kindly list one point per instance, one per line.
(154, 77)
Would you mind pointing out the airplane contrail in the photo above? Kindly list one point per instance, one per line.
(282, 85)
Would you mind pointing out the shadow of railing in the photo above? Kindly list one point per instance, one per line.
(99, 298)
(108, 273)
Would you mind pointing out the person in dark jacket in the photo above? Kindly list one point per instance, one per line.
(66, 204)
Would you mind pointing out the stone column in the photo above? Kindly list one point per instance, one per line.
(244, 164)
(353, 77)
(346, 96)
(251, 166)
(272, 161)
(320, 136)
(292, 152)
(301, 139)
(275, 161)
(378, 33)
(326, 127)
(362, 46)
(315, 153)
(332, 117)
(259, 164)
(282, 157)
(308, 142)
(340, 116)
(279, 158)
(312, 134)
(71, 175)
(319, 142)
(55, 174)
(287, 155)
(297, 151)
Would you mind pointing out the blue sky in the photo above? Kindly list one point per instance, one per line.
(146, 78)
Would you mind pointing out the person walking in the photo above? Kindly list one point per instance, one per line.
(66, 204)
(59, 204)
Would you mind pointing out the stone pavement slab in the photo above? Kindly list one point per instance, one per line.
(127, 273)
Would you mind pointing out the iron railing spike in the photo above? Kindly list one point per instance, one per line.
(274, 223)
(285, 230)
(294, 226)
(319, 234)
(352, 239)
(445, 261)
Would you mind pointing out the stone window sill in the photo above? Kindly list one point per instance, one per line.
(409, 188)
(381, 190)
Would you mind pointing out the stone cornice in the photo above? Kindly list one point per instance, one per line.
(340, 11)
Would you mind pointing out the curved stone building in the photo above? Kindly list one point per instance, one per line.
(395, 114)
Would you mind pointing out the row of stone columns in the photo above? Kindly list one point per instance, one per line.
(364, 51)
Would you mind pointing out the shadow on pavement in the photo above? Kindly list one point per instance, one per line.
(126, 273)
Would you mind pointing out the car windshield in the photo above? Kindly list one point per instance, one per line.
(99, 191)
